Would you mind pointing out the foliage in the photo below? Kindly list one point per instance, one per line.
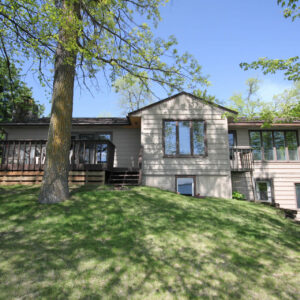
(284, 107)
(249, 105)
(238, 196)
(132, 95)
(16, 102)
(203, 94)
(144, 243)
(290, 66)
(106, 37)
(292, 9)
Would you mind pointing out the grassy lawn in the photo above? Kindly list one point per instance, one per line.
(144, 243)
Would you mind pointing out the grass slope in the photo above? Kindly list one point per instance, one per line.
(144, 243)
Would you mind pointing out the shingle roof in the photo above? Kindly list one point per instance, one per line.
(75, 121)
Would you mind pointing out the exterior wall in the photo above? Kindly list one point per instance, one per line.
(212, 172)
(284, 174)
(126, 140)
(242, 182)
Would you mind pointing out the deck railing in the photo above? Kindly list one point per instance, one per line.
(241, 159)
(30, 155)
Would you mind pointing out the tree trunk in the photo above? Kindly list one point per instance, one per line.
(55, 182)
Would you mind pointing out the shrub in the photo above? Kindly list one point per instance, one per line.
(238, 196)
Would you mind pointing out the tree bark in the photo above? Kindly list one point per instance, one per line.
(55, 181)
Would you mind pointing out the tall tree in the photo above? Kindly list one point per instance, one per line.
(16, 101)
(282, 107)
(84, 37)
(248, 105)
(132, 95)
(290, 66)
(285, 106)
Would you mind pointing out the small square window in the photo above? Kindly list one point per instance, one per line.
(185, 185)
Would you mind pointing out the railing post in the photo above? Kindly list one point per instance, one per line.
(140, 164)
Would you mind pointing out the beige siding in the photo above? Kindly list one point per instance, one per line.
(212, 172)
(284, 174)
(126, 140)
(27, 132)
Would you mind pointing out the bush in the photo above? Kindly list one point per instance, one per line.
(238, 196)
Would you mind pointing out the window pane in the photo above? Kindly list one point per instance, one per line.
(185, 186)
(255, 143)
(298, 195)
(86, 137)
(184, 137)
(104, 136)
(231, 139)
(291, 142)
(279, 144)
(101, 153)
(263, 190)
(268, 145)
(170, 137)
(198, 138)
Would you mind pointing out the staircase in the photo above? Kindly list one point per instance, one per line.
(121, 178)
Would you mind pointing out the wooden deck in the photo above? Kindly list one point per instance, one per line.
(241, 159)
(36, 177)
(30, 155)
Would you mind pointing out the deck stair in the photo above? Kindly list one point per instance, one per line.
(122, 178)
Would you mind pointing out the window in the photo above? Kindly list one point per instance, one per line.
(185, 185)
(292, 145)
(298, 194)
(184, 138)
(96, 136)
(91, 153)
(263, 190)
(105, 136)
(232, 138)
(255, 142)
(277, 145)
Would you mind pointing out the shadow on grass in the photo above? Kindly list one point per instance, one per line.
(144, 243)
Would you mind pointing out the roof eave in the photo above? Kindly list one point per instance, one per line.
(179, 94)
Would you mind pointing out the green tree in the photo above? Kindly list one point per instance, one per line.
(83, 37)
(16, 101)
(290, 66)
(132, 95)
(285, 106)
(248, 105)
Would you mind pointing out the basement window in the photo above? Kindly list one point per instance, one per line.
(264, 190)
(298, 195)
(185, 186)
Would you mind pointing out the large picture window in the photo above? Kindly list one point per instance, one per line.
(277, 145)
(184, 138)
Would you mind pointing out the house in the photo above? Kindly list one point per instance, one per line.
(182, 143)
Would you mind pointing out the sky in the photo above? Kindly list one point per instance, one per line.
(220, 35)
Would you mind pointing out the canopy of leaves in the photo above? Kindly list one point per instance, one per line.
(107, 38)
(131, 95)
(289, 66)
(249, 105)
(284, 107)
(16, 102)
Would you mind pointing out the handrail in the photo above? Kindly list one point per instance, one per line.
(31, 154)
(241, 158)
(140, 164)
